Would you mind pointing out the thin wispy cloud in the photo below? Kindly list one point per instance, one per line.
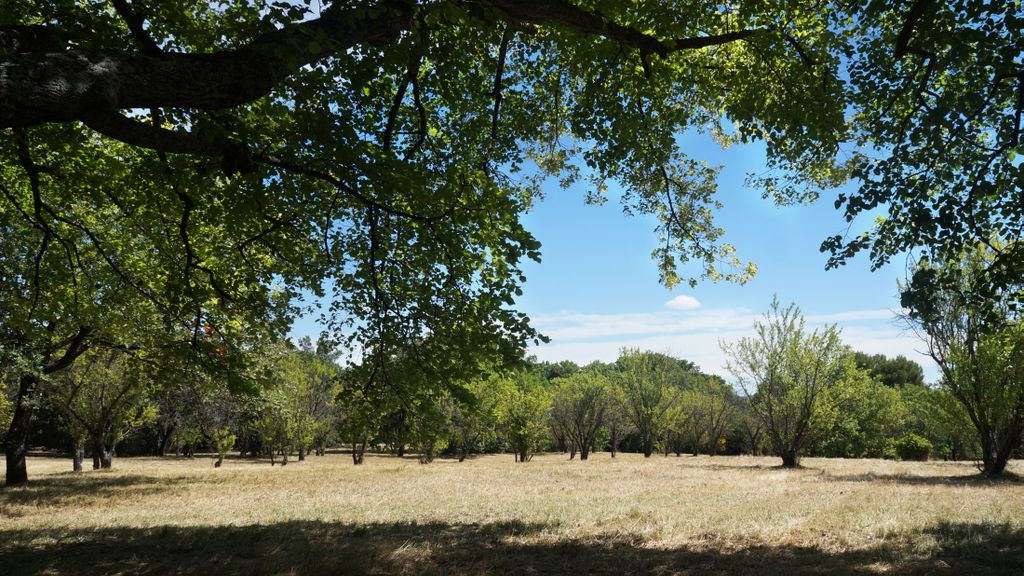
(695, 334)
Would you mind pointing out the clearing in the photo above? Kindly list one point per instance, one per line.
(490, 515)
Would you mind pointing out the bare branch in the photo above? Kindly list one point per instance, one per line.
(136, 24)
(913, 16)
(506, 37)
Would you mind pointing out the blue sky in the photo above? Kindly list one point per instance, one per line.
(597, 288)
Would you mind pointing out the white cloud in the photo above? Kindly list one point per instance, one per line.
(566, 326)
(683, 302)
(695, 336)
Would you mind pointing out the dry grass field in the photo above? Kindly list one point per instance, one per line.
(489, 515)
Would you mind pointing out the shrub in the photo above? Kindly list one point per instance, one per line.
(913, 447)
(223, 441)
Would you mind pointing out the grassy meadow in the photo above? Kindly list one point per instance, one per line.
(490, 515)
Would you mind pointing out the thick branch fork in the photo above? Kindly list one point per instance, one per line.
(64, 86)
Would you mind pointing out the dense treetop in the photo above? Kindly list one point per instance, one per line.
(174, 175)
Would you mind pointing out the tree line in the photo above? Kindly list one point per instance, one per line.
(799, 392)
(177, 177)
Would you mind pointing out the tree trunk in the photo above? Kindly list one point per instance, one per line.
(572, 450)
(994, 458)
(648, 448)
(358, 450)
(302, 453)
(107, 458)
(790, 459)
(16, 441)
(100, 457)
(164, 441)
(584, 452)
(77, 454)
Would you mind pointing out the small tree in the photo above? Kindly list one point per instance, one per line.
(581, 401)
(223, 441)
(973, 333)
(616, 417)
(103, 396)
(644, 378)
(472, 418)
(522, 406)
(788, 374)
(870, 415)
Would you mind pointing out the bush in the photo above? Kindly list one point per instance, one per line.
(913, 447)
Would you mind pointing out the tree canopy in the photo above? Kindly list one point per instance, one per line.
(186, 175)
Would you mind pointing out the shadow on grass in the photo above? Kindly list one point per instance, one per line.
(310, 547)
(61, 488)
(972, 480)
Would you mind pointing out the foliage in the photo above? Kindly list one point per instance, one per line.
(223, 441)
(935, 88)
(6, 412)
(381, 154)
(935, 414)
(790, 376)
(579, 405)
(646, 379)
(521, 411)
(869, 415)
(913, 447)
(893, 372)
(973, 333)
(103, 397)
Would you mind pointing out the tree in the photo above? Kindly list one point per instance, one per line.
(473, 420)
(893, 372)
(708, 402)
(579, 403)
(936, 92)
(975, 337)
(644, 378)
(616, 416)
(380, 152)
(102, 398)
(312, 378)
(521, 411)
(624, 79)
(223, 441)
(789, 374)
(935, 414)
(870, 415)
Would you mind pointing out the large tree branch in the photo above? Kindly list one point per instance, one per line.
(77, 346)
(64, 86)
(566, 14)
(235, 155)
(67, 86)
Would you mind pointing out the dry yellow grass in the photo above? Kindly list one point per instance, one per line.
(490, 515)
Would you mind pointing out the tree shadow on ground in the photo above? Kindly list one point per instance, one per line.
(60, 489)
(311, 547)
(972, 480)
